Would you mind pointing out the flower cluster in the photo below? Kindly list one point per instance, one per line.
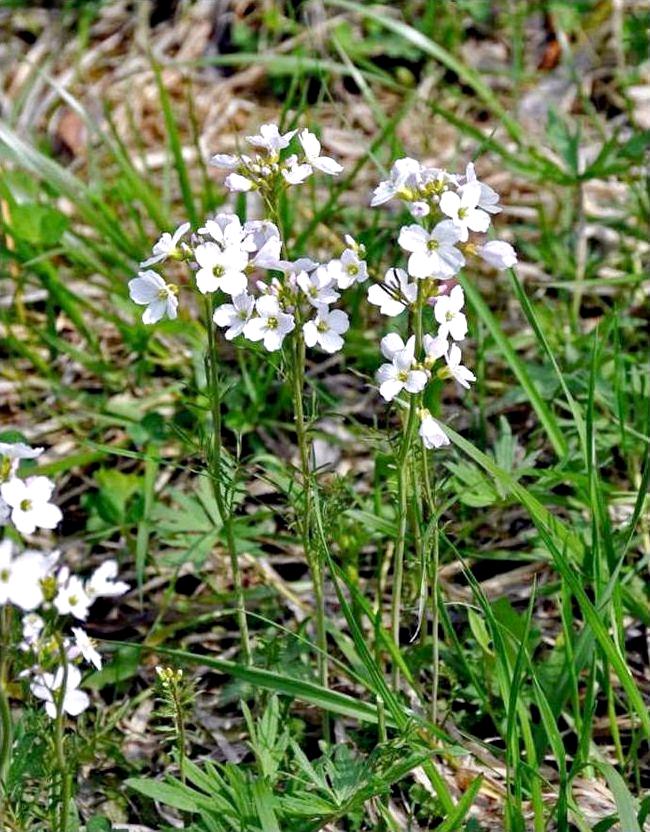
(273, 165)
(46, 592)
(449, 210)
(231, 258)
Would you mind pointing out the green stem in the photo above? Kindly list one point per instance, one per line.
(312, 556)
(403, 463)
(6, 727)
(59, 742)
(180, 731)
(217, 488)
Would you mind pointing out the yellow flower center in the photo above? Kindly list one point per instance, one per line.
(26, 505)
(272, 323)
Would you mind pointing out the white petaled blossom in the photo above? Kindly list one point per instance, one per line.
(448, 209)
(226, 230)
(84, 646)
(326, 329)
(462, 208)
(33, 626)
(234, 315)
(296, 172)
(29, 501)
(318, 287)
(448, 313)
(11, 454)
(395, 294)
(103, 584)
(271, 325)
(312, 149)
(431, 432)
(21, 576)
(46, 686)
(273, 163)
(434, 348)
(433, 254)
(489, 198)
(405, 176)
(167, 246)
(150, 290)
(400, 374)
(348, 269)
(270, 139)
(498, 254)
(220, 269)
(72, 598)
(455, 368)
(238, 183)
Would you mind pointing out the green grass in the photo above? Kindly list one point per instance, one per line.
(541, 681)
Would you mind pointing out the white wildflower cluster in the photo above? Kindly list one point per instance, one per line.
(44, 591)
(268, 297)
(273, 164)
(449, 210)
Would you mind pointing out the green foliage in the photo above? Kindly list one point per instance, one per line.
(542, 506)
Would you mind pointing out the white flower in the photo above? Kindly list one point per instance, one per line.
(270, 139)
(399, 374)
(32, 628)
(456, 370)
(260, 232)
(16, 451)
(294, 267)
(326, 329)
(227, 230)
(349, 269)
(84, 646)
(418, 209)
(431, 433)
(448, 313)
(312, 148)
(21, 577)
(268, 254)
(294, 172)
(498, 254)
(489, 198)
(432, 254)
(463, 210)
(220, 269)
(435, 347)
(150, 290)
(395, 294)
(225, 161)
(75, 701)
(238, 183)
(318, 286)
(405, 176)
(102, 583)
(271, 326)
(167, 245)
(234, 315)
(30, 504)
(391, 344)
(72, 598)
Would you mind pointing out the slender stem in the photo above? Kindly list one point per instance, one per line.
(403, 463)
(217, 486)
(312, 556)
(59, 741)
(430, 496)
(180, 731)
(6, 727)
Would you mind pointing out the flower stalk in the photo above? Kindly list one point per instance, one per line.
(214, 463)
